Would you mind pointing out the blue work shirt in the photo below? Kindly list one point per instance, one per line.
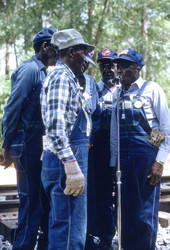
(23, 107)
(157, 114)
(105, 103)
(105, 95)
(91, 90)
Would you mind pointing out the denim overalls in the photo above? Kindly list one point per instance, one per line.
(140, 200)
(26, 150)
(100, 201)
(68, 215)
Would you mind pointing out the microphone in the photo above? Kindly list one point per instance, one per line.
(115, 80)
(112, 81)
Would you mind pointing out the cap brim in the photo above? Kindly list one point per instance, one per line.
(123, 60)
(88, 59)
(117, 60)
(106, 57)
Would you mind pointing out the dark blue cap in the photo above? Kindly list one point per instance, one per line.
(106, 54)
(44, 35)
(130, 55)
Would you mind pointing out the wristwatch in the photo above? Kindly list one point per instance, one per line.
(160, 162)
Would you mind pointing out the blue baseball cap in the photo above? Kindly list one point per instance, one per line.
(106, 54)
(130, 55)
(44, 35)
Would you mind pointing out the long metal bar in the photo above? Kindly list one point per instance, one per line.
(118, 173)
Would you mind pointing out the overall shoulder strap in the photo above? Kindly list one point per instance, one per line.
(140, 91)
(87, 87)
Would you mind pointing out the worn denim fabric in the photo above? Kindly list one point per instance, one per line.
(26, 151)
(23, 107)
(22, 129)
(68, 214)
(140, 200)
(101, 219)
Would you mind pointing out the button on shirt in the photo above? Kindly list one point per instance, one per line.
(60, 101)
(156, 109)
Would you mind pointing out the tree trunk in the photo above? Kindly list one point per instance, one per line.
(100, 26)
(15, 52)
(145, 25)
(90, 20)
(7, 58)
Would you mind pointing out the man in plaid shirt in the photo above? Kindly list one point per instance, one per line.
(67, 125)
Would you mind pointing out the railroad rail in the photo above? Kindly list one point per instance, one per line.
(8, 211)
(165, 194)
(9, 207)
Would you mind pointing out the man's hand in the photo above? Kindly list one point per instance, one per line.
(156, 137)
(156, 173)
(75, 182)
(5, 159)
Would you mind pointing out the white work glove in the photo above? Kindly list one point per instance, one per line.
(75, 182)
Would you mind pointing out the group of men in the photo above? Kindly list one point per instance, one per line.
(61, 132)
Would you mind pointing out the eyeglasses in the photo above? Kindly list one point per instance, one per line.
(104, 66)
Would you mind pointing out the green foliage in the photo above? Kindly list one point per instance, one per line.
(143, 25)
(4, 94)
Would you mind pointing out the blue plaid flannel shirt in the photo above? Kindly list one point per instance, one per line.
(60, 103)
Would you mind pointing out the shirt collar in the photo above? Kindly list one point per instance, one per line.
(101, 86)
(39, 63)
(136, 85)
(139, 82)
(63, 65)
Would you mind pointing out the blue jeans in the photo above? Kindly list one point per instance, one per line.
(68, 215)
(26, 150)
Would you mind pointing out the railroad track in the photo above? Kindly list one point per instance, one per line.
(165, 194)
(8, 211)
(9, 207)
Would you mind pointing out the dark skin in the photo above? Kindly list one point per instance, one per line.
(81, 77)
(48, 56)
(6, 160)
(107, 69)
(74, 59)
(129, 72)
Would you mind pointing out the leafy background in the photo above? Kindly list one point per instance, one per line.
(143, 25)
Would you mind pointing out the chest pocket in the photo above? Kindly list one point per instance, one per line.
(129, 115)
(131, 111)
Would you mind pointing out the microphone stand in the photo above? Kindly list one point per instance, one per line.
(118, 172)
